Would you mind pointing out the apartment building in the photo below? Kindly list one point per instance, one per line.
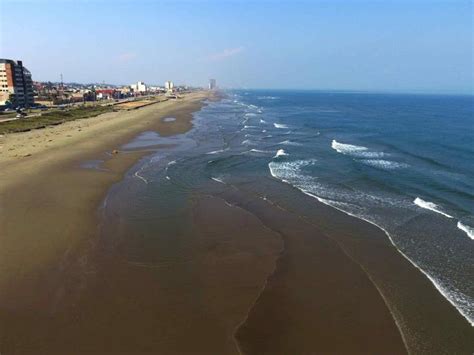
(16, 85)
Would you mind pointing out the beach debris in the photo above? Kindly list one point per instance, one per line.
(115, 151)
(27, 155)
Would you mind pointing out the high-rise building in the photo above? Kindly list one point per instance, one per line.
(139, 87)
(169, 85)
(212, 84)
(16, 85)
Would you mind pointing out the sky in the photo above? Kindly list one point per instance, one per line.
(377, 45)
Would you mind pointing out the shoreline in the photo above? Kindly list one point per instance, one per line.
(427, 320)
(47, 191)
(436, 285)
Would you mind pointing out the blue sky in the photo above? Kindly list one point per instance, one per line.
(378, 45)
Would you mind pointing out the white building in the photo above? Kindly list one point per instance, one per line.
(139, 87)
(169, 85)
(212, 84)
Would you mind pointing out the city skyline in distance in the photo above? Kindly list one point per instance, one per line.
(417, 46)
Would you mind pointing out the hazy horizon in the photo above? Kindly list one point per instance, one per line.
(371, 46)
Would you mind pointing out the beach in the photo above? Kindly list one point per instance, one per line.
(167, 229)
(49, 203)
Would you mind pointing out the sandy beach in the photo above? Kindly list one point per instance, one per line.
(48, 203)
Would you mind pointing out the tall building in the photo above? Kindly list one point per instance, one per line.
(16, 85)
(139, 87)
(169, 85)
(212, 84)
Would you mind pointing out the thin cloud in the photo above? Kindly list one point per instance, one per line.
(126, 57)
(226, 53)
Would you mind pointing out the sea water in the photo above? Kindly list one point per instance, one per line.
(404, 163)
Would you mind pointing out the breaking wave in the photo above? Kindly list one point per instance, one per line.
(247, 127)
(287, 142)
(280, 153)
(355, 150)
(216, 151)
(466, 229)
(430, 206)
(384, 164)
(219, 180)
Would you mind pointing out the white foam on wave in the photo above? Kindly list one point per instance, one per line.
(259, 151)
(248, 142)
(346, 148)
(466, 229)
(247, 127)
(355, 150)
(219, 180)
(263, 121)
(384, 164)
(173, 162)
(430, 206)
(280, 125)
(280, 153)
(140, 177)
(290, 170)
(267, 97)
(216, 151)
(250, 114)
(288, 142)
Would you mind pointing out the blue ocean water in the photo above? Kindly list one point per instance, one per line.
(404, 163)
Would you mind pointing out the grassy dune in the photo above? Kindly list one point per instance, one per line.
(52, 118)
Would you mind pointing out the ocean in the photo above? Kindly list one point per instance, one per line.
(402, 162)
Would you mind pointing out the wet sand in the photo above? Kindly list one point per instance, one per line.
(318, 300)
(385, 305)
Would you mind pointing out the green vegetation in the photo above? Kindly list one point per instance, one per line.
(52, 118)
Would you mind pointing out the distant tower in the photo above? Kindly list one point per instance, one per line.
(212, 84)
(169, 85)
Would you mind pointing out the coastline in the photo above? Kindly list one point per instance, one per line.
(259, 295)
(426, 320)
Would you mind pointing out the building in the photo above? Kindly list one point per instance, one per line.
(212, 84)
(139, 87)
(107, 94)
(16, 86)
(169, 86)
